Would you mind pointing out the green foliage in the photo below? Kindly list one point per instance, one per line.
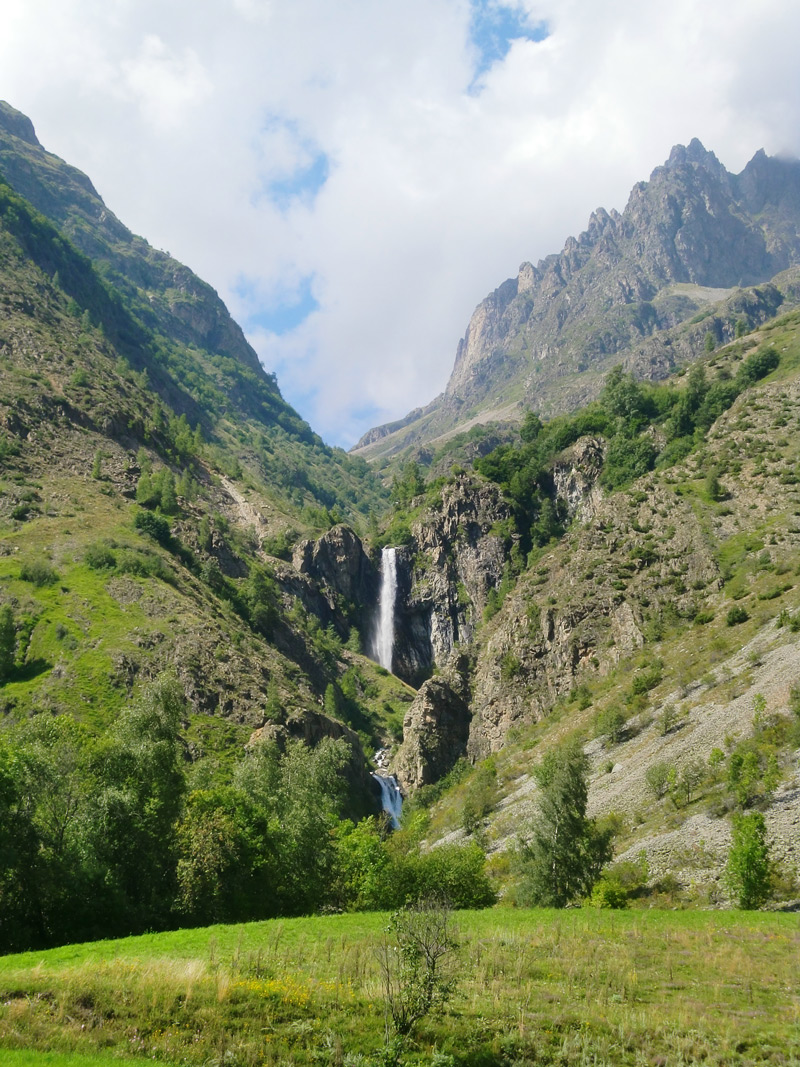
(627, 458)
(610, 723)
(261, 598)
(38, 572)
(481, 796)
(736, 615)
(658, 777)
(625, 414)
(409, 484)
(620, 883)
(757, 366)
(564, 851)
(748, 870)
(8, 642)
(645, 680)
(100, 556)
(154, 526)
(143, 563)
(157, 490)
(415, 979)
(608, 892)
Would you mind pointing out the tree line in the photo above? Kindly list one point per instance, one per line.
(114, 835)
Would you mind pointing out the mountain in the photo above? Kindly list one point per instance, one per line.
(154, 485)
(696, 251)
(187, 570)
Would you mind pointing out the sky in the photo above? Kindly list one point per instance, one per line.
(354, 176)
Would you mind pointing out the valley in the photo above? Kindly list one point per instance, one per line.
(210, 622)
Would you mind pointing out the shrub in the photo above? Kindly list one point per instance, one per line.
(143, 565)
(646, 680)
(609, 893)
(736, 616)
(658, 777)
(38, 572)
(8, 642)
(153, 525)
(610, 723)
(758, 365)
(99, 556)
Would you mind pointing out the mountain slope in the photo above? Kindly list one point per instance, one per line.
(691, 255)
(167, 322)
(660, 629)
(151, 495)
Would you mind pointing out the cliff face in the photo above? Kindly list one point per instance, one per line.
(457, 555)
(690, 244)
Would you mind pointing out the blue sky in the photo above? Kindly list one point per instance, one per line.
(493, 28)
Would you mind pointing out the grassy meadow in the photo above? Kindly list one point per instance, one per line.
(580, 986)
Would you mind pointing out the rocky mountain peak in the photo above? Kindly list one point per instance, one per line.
(627, 290)
(694, 153)
(17, 124)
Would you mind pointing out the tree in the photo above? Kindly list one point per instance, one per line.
(409, 484)
(139, 792)
(412, 960)
(747, 874)
(657, 777)
(8, 642)
(300, 793)
(566, 851)
(610, 723)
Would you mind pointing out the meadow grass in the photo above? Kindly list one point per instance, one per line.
(533, 987)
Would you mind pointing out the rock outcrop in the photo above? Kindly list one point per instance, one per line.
(681, 259)
(458, 554)
(587, 605)
(435, 733)
(342, 570)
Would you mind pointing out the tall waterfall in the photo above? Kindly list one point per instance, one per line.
(391, 798)
(384, 638)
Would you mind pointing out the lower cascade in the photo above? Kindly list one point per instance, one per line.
(391, 798)
(384, 636)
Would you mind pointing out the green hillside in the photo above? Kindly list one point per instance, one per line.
(595, 620)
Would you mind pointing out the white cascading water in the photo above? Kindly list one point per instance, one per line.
(391, 799)
(384, 638)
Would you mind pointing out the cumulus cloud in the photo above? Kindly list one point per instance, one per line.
(355, 177)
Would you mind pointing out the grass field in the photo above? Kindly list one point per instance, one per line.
(533, 987)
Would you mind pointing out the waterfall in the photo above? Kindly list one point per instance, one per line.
(384, 638)
(391, 799)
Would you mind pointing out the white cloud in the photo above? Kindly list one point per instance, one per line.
(166, 85)
(183, 114)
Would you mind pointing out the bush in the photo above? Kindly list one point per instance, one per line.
(646, 680)
(610, 723)
(99, 556)
(758, 365)
(143, 565)
(153, 525)
(736, 616)
(609, 893)
(659, 777)
(38, 572)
